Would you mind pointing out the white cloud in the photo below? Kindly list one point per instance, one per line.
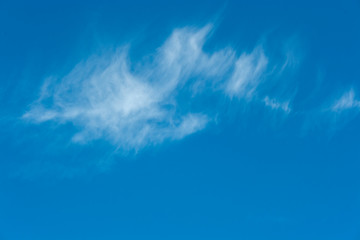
(277, 105)
(247, 74)
(346, 101)
(107, 97)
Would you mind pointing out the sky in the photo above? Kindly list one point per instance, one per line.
(179, 120)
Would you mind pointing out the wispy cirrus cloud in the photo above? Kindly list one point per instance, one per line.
(333, 114)
(144, 103)
(249, 69)
(277, 105)
(345, 102)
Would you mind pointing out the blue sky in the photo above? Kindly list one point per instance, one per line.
(179, 120)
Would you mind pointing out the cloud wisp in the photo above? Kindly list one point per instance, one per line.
(249, 69)
(277, 105)
(134, 105)
(346, 102)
